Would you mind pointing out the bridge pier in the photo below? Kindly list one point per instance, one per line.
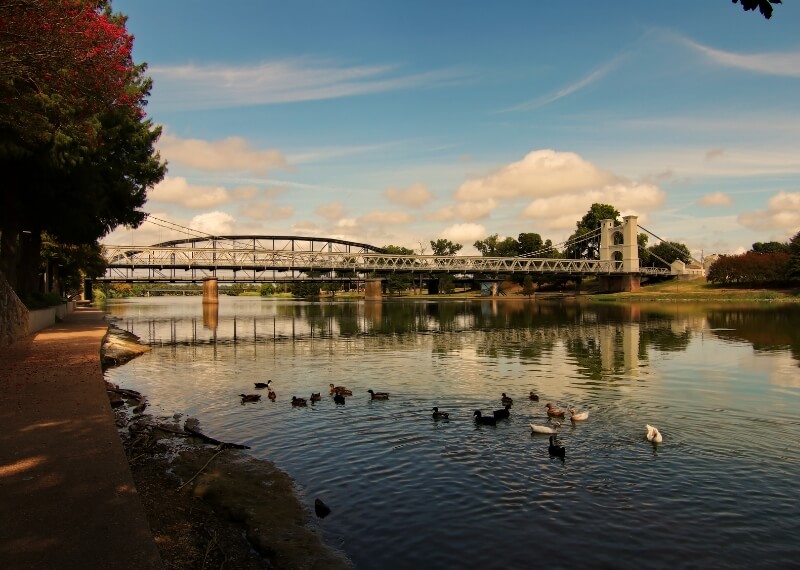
(210, 290)
(373, 290)
(620, 283)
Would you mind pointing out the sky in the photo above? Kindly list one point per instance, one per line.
(408, 121)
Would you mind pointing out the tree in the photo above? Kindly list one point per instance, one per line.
(770, 247)
(530, 243)
(764, 6)
(398, 250)
(66, 266)
(446, 284)
(793, 269)
(75, 148)
(585, 243)
(445, 247)
(664, 253)
(493, 246)
(527, 286)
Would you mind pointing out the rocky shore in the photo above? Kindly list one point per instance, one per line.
(209, 504)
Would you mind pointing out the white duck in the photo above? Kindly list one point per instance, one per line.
(653, 435)
(578, 416)
(545, 429)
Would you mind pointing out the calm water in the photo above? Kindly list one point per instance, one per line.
(722, 383)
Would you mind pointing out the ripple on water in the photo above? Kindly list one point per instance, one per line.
(720, 491)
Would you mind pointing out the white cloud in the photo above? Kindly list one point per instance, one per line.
(214, 223)
(331, 211)
(715, 199)
(283, 81)
(265, 210)
(177, 190)
(228, 154)
(540, 173)
(465, 234)
(415, 195)
(561, 212)
(785, 64)
(469, 211)
(591, 78)
(782, 214)
(392, 218)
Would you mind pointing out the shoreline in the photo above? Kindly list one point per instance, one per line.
(211, 504)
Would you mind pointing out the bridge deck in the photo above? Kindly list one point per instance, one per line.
(171, 263)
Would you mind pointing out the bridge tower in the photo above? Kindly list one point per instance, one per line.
(619, 243)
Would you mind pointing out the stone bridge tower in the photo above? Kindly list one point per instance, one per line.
(619, 243)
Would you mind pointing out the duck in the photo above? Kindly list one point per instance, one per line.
(338, 398)
(502, 414)
(378, 395)
(315, 397)
(262, 385)
(554, 412)
(335, 388)
(484, 420)
(437, 415)
(506, 400)
(653, 435)
(271, 394)
(545, 429)
(533, 396)
(578, 416)
(250, 397)
(556, 450)
(298, 401)
(344, 392)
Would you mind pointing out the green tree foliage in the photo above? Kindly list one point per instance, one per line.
(446, 284)
(493, 246)
(75, 148)
(266, 290)
(664, 253)
(770, 247)
(396, 283)
(445, 247)
(528, 288)
(398, 250)
(66, 266)
(306, 289)
(764, 6)
(584, 243)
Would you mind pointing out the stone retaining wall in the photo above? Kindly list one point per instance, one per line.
(13, 315)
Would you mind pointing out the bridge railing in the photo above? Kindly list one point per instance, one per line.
(126, 259)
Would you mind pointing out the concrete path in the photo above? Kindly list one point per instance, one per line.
(67, 498)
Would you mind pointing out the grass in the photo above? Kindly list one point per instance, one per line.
(699, 290)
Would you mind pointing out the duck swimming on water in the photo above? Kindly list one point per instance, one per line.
(378, 395)
(250, 397)
(484, 420)
(653, 435)
(437, 415)
(554, 412)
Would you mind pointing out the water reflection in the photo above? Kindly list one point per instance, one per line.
(716, 382)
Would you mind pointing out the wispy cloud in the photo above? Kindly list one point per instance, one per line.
(593, 77)
(193, 87)
(785, 64)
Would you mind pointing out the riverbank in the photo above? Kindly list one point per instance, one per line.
(211, 504)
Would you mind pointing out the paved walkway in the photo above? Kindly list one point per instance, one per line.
(67, 498)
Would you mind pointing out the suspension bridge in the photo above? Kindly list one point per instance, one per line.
(275, 259)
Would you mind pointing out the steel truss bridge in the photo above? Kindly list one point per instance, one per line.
(270, 259)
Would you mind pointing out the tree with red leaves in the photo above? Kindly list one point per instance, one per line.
(76, 149)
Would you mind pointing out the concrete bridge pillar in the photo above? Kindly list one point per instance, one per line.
(210, 290)
(373, 290)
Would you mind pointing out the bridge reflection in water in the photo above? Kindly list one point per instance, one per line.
(604, 344)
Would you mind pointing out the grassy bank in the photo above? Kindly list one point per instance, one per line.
(699, 291)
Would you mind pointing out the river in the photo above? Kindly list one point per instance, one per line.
(720, 381)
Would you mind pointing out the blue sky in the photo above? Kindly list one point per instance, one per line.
(402, 122)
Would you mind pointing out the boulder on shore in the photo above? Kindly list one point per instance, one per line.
(119, 346)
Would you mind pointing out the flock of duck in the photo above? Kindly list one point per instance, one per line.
(339, 393)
